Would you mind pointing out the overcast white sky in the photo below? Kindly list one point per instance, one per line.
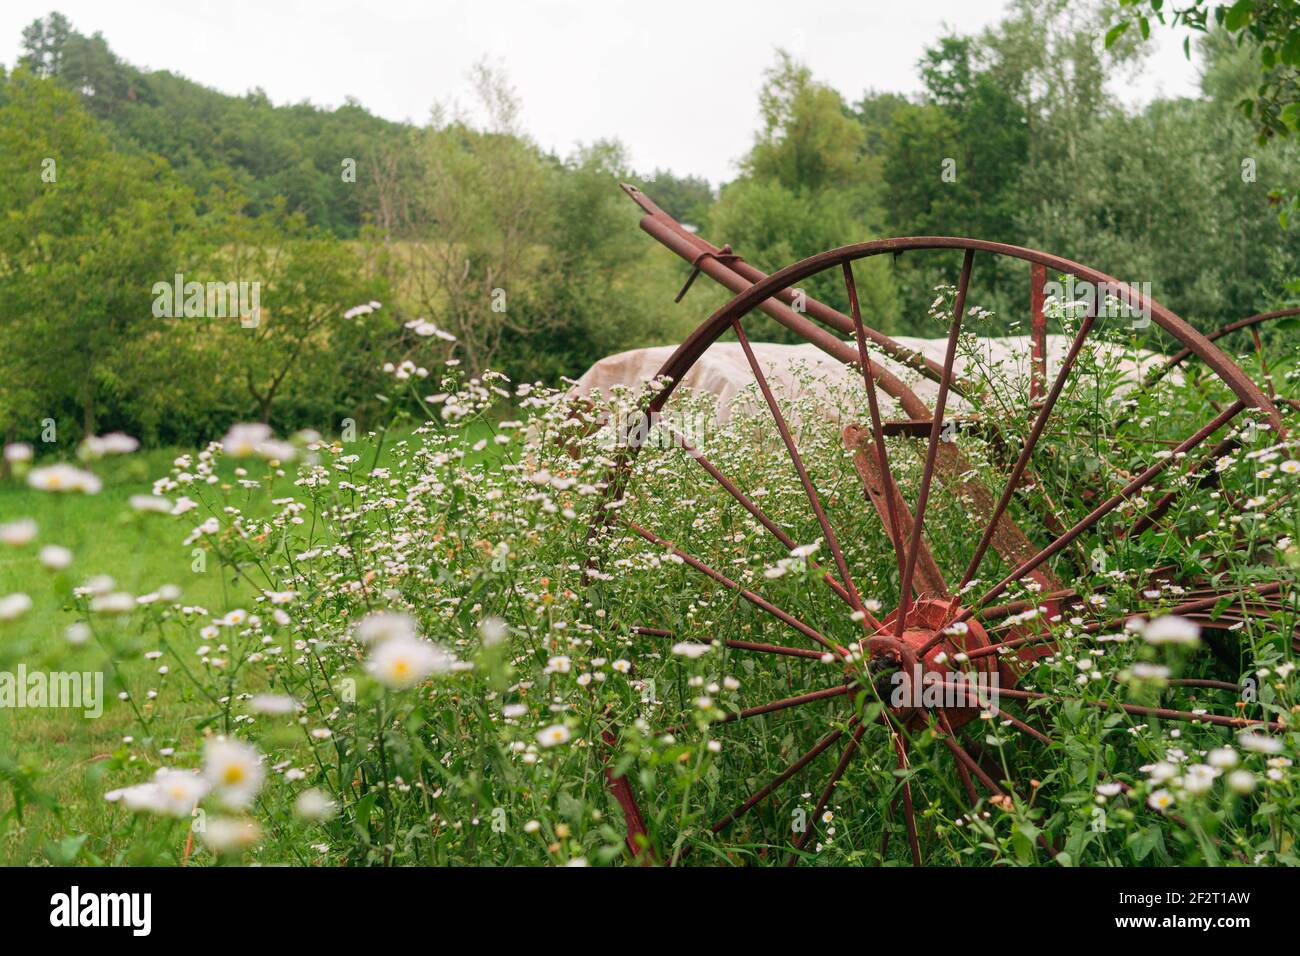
(585, 69)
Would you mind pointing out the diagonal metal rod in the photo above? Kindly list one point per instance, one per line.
(1199, 604)
(960, 753)
(936, 429)
(969, 785)
(786, 703)
(877, 430)
(755, 599)
(869, 621)
(1209, 477)
(1188, 607)
(733, 273)
(825, 798)
(780, 649)
(748, 504)
(1031, 442)
(1163, 713)
(780, 778)
(1103, 509)
(909, 812)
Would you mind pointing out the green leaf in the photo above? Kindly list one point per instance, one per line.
(1115, 32)
(1239, 15)
(1291, 49)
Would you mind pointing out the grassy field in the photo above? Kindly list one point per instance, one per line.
(56, 764)
(58, 755)
(427, 661)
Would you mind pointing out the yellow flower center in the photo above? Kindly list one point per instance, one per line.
(233, 774)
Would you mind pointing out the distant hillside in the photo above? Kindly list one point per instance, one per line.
(209, 137)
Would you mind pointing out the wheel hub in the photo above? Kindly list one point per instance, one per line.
(925, 673)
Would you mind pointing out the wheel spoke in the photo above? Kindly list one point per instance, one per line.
(1008, 645)
(748, 504)
(1104, 508)
(869, 621)
(1164, 713)
(995, 611)
(966, 781)
(1195, 607)
(1037, 331)
(1200, 604)
(825, 798)
(780, 778)
(1027, 451)
(998, 713)
(890, 489)
(909, 812)
(928, 578)
(936, 429)
(741, 645)
(1263, 363)
(748, 595)
(959, 752)
(786, 703)
(1210, 477)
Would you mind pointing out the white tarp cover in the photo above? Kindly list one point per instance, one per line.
(724, 372)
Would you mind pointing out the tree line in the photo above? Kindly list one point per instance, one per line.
(480, 246)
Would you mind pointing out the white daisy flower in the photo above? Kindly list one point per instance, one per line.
(234, 769)
(400, 663)
(554, 735)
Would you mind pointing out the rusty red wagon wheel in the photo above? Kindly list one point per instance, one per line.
(1251, 324)
(946, 624)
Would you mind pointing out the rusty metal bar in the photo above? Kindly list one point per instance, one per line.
(1037, 331)
(1027, 451)
(755, 599)
(936, 429)
(780, 778)
(1105, 507)
(696, 249)
(868, 619)
(730, 487)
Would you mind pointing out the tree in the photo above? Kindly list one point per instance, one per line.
(316, 160)
(43, 43)
(296, 346)
(1270, 29)
(1159, 197)
(476, 223)
(808, 141)
(1272, 26)
(685, 198)
(87, 232)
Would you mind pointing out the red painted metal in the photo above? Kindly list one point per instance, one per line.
(638, 838)
(932, 633)
(1037, 331)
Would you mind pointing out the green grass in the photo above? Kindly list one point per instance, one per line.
(54, 764)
